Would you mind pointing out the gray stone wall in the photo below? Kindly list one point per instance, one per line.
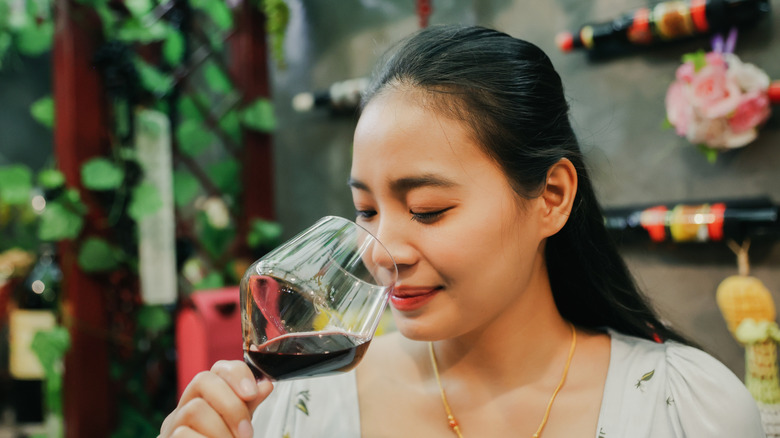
(617, 110)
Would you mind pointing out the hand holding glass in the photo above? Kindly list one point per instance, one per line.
(311, 306)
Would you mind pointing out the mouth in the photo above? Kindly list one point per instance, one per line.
(407, 299)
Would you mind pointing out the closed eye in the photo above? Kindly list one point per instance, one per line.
(365, 214)
(428, 217)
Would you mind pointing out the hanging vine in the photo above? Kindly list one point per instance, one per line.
(169, 57)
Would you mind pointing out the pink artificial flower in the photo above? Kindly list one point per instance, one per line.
(686, 72)
(714, 94)
(678, 110)
(752, 110)
(715, 59)
(706, 131)
(721, 105)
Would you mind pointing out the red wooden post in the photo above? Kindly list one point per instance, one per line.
(80, 134)
(249, 68)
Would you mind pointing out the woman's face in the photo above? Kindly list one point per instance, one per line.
(468, 249)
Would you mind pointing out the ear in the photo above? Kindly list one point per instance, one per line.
(558, 195)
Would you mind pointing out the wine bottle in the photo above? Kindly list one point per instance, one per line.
(34, 309)
(664, 21)
(755, 218)
(341, 97)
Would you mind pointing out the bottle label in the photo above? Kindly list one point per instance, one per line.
(23, 325)
(639, 32)
(684, 223)
(673, 20)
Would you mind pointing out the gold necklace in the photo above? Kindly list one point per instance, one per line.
(451, 418)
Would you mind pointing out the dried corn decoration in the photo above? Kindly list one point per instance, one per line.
(749, 311)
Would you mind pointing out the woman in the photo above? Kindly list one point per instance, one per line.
(515, 314)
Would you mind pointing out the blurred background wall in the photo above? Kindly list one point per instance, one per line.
(617, 108)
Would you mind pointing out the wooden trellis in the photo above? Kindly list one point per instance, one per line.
(82, 133)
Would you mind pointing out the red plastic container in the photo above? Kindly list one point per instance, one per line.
(208, 329)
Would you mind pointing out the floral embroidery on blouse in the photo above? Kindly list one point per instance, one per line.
(640, 384)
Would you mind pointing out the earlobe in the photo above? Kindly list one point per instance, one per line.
(559, 192)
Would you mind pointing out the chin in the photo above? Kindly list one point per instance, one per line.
(419, 328)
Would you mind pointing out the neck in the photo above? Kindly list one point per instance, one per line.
(518, 347)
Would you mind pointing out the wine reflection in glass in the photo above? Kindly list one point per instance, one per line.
(311, 306)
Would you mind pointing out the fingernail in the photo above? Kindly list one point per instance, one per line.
(248, 387)
(245, 429)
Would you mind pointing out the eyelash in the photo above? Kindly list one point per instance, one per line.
(365, 214)
(425, 218)
(428, 217)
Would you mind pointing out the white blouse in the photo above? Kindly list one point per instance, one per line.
(652, 391)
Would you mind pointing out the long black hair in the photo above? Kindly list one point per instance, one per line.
(507, 91)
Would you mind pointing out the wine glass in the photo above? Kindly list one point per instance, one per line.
(311, 306)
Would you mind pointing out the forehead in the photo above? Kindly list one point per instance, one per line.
(397, 133)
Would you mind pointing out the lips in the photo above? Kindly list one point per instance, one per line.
(407, 299)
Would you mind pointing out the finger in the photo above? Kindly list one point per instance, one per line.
(198, 418)
(213, 391)
(185, 432)
(238, 375)
(264, 388)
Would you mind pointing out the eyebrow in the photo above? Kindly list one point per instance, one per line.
(403, 185)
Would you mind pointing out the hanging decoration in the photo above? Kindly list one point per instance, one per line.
(749, 311)
(717, 101)
(663, 22)
(424, 9)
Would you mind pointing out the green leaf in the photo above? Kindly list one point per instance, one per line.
(50, 347)
(216, 78)
(185, 187)
(188, 109)
(211, 281)
(220, 14)
(50, 179)
(34, 40)
(262, 232)
(173, 48)
(42, 111)
(5, 44)
(58, 222)
(15, 184)
(230, 123)
(72, 199)
(710, 153)
(698, 59)
(153, 80)
(145, 201)
(97, 255)
(101, 174)
(138, 8)
(259, 115)
(666, 124)
(214, 240)
(135, 30)
(193, 137)
(154, 318)
(107, 19)
(277, 17)
(226, 175)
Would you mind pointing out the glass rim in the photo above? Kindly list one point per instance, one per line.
(387, 251)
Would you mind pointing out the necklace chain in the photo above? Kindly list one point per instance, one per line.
(451, 418)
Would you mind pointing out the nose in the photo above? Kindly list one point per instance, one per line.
(392, 236)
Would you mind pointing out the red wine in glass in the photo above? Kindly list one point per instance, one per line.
(298, 355)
